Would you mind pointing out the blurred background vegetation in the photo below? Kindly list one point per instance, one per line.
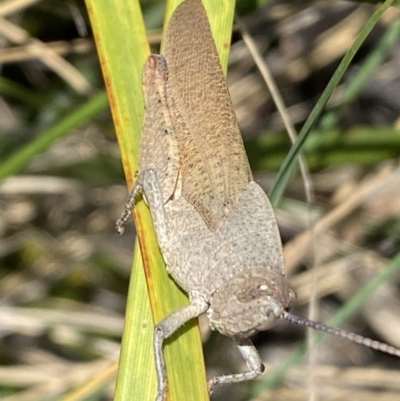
(64, 272)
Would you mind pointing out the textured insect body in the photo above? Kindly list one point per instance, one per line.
(214, 224)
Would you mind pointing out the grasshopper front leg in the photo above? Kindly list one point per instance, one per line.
(147, 183)
(159, 158)
(130, 203)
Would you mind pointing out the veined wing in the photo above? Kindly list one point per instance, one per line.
(214, 165)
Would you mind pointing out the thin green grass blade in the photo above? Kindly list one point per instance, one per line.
(17, 91)
(43, 141)
(349, 310)
(290, 163)
(372, 61)
(122, 46)
(359, 145)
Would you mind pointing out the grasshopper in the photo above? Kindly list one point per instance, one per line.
(215, 226)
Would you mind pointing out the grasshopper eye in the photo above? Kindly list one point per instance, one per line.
(292, 297)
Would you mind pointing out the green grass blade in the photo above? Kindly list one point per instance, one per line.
(357, 83)
(17, 91)
(290, 163)
(43, 141)
(377, 56)
(122, 46)
(359, 145)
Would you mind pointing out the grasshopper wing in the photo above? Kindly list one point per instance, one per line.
(214, 166)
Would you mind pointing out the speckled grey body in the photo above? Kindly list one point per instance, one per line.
(247, 238)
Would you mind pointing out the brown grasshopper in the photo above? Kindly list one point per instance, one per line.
(215, 225)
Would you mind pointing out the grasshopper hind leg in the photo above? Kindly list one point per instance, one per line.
(165, 329)
(253, 361)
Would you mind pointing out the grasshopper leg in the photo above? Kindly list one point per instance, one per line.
(147, 183)
(165, 329)
(253, 361)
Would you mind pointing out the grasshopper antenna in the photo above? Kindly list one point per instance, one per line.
(348, 335)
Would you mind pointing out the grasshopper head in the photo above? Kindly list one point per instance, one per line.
(250, 301)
